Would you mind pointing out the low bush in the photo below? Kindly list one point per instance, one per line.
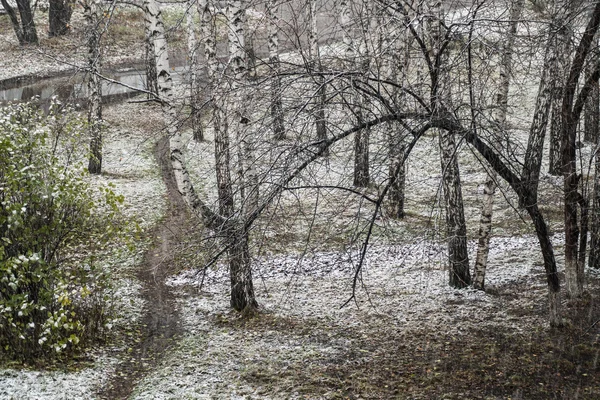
(52, 222)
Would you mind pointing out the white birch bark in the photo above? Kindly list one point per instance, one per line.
(236, 236)
(485, 222)
(245, 141)
(94, 86)
(240, 267)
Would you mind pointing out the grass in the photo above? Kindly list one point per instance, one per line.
(379, 364)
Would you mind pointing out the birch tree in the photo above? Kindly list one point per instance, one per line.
(395, 49)
(234, 231)
(489, 189)
(362, 60)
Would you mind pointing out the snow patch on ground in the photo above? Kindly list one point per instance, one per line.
(402, 287)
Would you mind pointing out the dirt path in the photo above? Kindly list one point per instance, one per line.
(160, 323)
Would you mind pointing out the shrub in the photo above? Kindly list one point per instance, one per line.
(51, 296)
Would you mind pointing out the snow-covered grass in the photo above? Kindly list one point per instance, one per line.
(403, 289)
(305, 250)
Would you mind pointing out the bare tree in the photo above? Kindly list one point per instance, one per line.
(575, 204)
(456, 228)
(489, 189)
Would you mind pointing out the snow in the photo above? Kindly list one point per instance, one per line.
(402, 286)
(53, 385)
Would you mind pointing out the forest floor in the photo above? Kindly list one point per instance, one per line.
(405, 335)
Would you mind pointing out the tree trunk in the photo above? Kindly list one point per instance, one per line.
(236, 237)
(575, 245)
(150, 60)
(195, 99)
(94, 86)
(456, 228)
(220, 127)
(485, 222)
(594, 261)
(558, 76)
(14, 20)
(316, 68)
(240, 273)
(592, 106)
(276, 91)
(397, 148)
(240, 267)
(25, 28)
(395, 63)
(362, 137)
(246, 163)
(59, 17)
(530, 174)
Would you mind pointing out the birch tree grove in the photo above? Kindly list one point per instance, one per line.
(391, 75)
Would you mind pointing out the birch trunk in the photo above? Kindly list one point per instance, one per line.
(192, 44)
(246, 163)
(220, 127)
(456, 229)
(485, 222)
(94, 86)
(273, 43)
(316, 68)
(240, 267)
(395, 48)
(236, 240)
